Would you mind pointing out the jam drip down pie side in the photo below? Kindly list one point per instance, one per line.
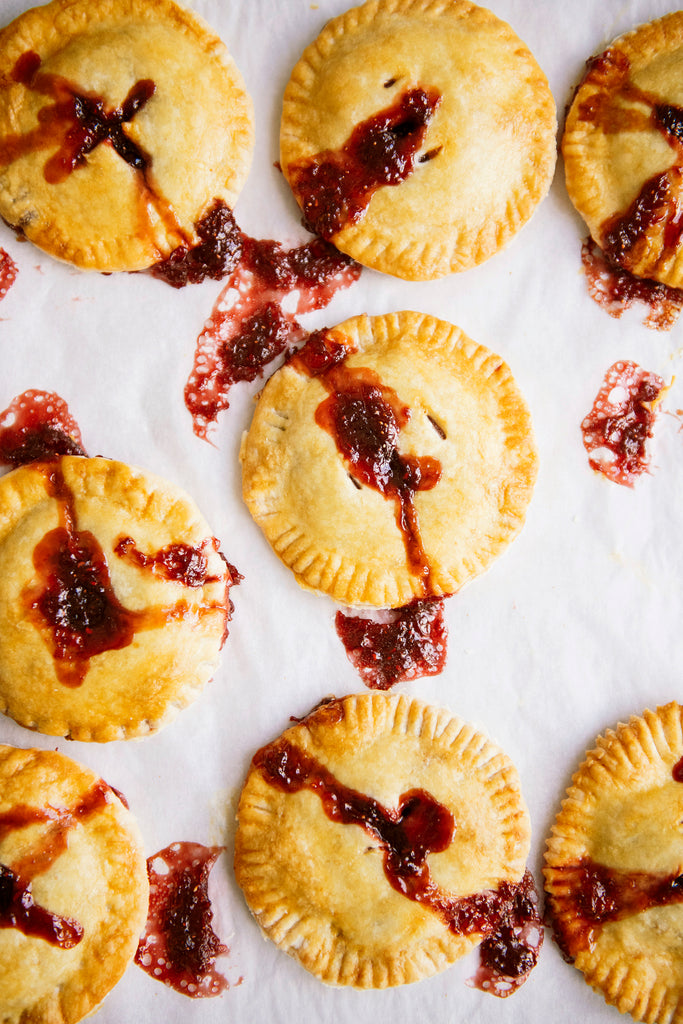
(114, 599)
(391, 458)
(73, 888)
(623, 151)
(381, 839)
(418, 135)
(123, 124)
(614, 863)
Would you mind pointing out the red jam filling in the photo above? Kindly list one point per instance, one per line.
(677, 771)
(179, 946)
(17, 907)
(335, 187)
(254, 318)
(420, 825)
(409, 644)
(365, 418)
(658, 206)
(37, 426)
(8, 272)
(180, 562)
(592, 895)
(616, 431)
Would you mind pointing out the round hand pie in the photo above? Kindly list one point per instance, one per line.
(122, 123)
(391, 458)
(378, 839)
(418, 135)
(114, 599)
(614, 867)
(623, 150)
(73, 888)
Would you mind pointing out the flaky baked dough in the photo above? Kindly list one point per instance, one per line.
(197, 128)
(139, 688)
(624, 810)
(100, 880)
(495, 129)
(317, 888)
(605, 171)
(344, 540)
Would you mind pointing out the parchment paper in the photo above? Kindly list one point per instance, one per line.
(576, 627)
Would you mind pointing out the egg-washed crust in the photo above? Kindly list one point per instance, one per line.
(140, 687)
(197, 130)
(489, 151)
(605, 171)
(98, 880)
(465, 410)
(317, 888)
(624, 810)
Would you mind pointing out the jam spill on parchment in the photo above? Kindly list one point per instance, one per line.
(618, 427)
(71, 600)
(657, 210)
(179, 946)
(506, 918)
(17, 907)
(335, 187)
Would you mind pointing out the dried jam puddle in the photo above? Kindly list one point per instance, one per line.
(17, 907)
(616, 431)
(8, 272)
(657, 206)
(593, 894)
(335, 187)
(179, 946)
(72, 601)
(506, 918)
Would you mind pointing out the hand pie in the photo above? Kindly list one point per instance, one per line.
(623, 150)
(73, 879)
(114, 599)
(391, 458)
(418, 135)
(613, 867)
(368, 829)
(121, 123)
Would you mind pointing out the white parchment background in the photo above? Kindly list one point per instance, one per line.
(576, 627)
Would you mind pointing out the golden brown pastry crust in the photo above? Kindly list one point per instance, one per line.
(99, 879)
(612, 146)
(317, 888)
(344, 540)
(140, 687)
(197, 129)
(623, 810)
(494, 129)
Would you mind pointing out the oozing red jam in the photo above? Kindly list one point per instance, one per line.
(411, 643)
(249, 326)
(591, 894)
(616, 290)
(8, 273)
(216, 254)
(407, 835)
(335, 187)
(616, 431)
(17, 907)
(365, 418)
(181, 562)
(658, 207)
(37, 426)
(677, 771)
(179, 946)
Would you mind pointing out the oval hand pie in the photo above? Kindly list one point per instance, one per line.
(391, 458)
(614, 867)
(418, 135)
(73, 879)
(114, 599)
(623, 150)
(369, 832)
(122, 122)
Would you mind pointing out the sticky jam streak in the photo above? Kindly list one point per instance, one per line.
(616, 431)
(179, 946)
(506, 918)
(616, 290)
(17, 907)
